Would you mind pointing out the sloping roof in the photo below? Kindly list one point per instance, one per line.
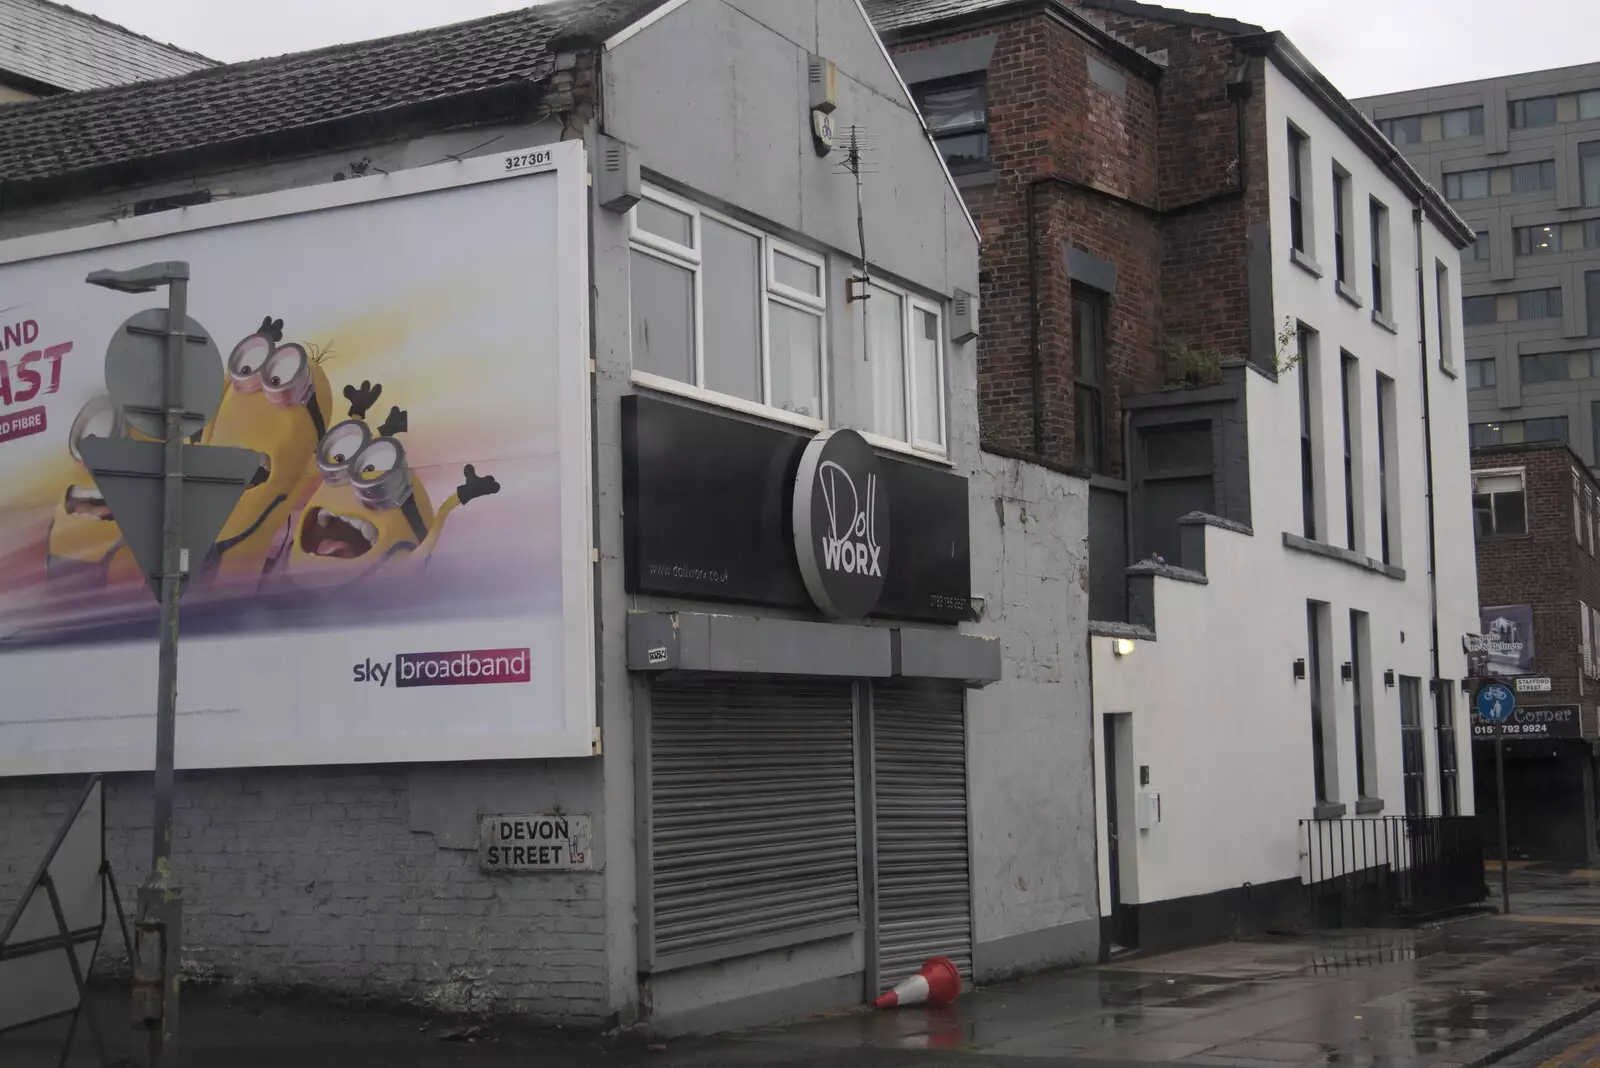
(61, 48)
(1176, 16)
(891, 15)
(272, 97)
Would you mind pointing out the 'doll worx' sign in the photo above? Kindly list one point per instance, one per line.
(420, 515)
(841, 523)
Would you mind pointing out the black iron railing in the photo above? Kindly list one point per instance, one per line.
(1390, 869)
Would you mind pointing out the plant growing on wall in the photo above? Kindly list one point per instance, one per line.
(1186, 366)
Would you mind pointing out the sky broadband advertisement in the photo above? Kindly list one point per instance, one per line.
(407, 575)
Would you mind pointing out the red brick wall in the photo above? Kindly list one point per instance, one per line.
(1546, 569)
(1167, 141)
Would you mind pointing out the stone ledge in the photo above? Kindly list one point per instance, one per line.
(1347, 556)
(1305, 263)
(1365, 806)
(1384, 321)
(1103, 629)
(1349, 294)
(1181, 574)
(1327, 810)
(1196, 519)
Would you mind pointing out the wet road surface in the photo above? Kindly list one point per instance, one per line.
(1455, 994)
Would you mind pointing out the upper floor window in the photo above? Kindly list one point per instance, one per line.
(1466, 185)
(957, 113)
(1478, 251)
(1442, 304)
(1403, 132)
(1536, 111)
(1298, 150)
(1591, 283)
(1089, 371)
(1589, 172)
(1517, 431)
(1539, 304)
(1537, 240)
(1341, 210)
(1533, 177)
(1589, 104)
(1380, 257)
(1463, 122)
(905, 352)
(1479, 311)
(1499, 503)
(1543, 367)
(721, 307)
(1480, 373)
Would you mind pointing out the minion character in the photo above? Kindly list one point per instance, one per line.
(273, 403)
(370, 508)
(84, 539)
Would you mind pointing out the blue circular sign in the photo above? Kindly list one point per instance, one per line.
(1496, 702)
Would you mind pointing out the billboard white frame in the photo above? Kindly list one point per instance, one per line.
(578, 737)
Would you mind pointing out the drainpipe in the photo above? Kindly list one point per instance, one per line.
(1427, 462)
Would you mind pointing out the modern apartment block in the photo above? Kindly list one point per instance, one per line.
(1519, 159)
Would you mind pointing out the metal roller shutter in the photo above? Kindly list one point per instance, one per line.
(753, 815)
(920, 778)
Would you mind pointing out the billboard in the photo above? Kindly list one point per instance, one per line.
(408, 575)
(1503, 645)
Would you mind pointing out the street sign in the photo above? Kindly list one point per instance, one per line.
(1496, 702)
(129, 475)
(136, 374)
(1532, 684)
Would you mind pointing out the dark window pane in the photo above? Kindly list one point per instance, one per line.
(1589, 104)
(1476, 311)
(1449, 804)
(954, 107)
(1510, 514)
(1182, 449)
(1550, 429)
(1403, 132)
(1545, 367)
(662, 301)
(1466, 185)
(964, 152)
(1340, 187)
(1589, 167)
(1591, 234)
(732, 306)
(1539, 304)
(1591, 282)
(1297, 226)
(1537, 240)
(1090, 429)
(1540, 111)
(1480, 373)
(1533, 177)
(1483, 434)
(1412, 763)
(1478, 251)
(1319, 772)
(1463, 123)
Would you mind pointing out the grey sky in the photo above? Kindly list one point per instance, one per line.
(1364, 46)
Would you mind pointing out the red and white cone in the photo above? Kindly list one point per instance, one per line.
(937, 983)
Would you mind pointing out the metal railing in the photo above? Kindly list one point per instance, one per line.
(1388, 870)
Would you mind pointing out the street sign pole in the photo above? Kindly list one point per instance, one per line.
(152, 378)
(1500, 789)
(1496, 702)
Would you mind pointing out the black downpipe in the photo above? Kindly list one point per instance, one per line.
(1427, 468)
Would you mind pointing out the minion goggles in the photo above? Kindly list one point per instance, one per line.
(375, 468)
(283, 372)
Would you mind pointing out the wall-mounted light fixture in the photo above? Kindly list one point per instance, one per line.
(1300, 668)
(1347, 671)
(1122, 646)
(1388, 679)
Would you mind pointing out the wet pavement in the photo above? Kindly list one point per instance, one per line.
(1467, 992)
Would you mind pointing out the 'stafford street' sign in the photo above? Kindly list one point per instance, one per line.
(1536, 721)
(540, 842)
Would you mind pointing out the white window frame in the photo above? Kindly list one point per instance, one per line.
(911, 303)
(691, 259)
(1521, 475)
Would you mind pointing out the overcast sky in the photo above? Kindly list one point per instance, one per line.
(1364, 46)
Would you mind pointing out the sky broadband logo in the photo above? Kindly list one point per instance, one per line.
(461, 668)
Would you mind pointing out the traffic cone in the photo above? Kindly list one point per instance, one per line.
(937, 983)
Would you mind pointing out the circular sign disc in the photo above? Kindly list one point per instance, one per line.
(841, 523)
(136, 374)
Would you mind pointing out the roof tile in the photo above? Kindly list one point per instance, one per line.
(72, 50)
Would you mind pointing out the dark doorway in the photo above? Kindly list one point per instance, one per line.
(1124, 921)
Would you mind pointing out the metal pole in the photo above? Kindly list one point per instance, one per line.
(1500, 788)
(156, 956)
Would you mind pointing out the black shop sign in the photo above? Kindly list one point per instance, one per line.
(1534, 721)
(721, 509)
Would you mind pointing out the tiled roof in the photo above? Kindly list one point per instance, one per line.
(70, 50)
(105, 127)
(891, 15)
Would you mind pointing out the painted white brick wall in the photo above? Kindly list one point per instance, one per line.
(313, 878)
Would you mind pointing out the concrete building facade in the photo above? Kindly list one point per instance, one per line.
(1519, 158)
(1201, 256)
(366, 881)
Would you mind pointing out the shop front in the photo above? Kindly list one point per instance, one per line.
(801, 763)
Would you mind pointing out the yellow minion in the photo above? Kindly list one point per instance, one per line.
(273, 403)
(369, 508)
(84, 539)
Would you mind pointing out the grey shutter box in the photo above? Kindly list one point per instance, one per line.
(753, 817)
(923, 876)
